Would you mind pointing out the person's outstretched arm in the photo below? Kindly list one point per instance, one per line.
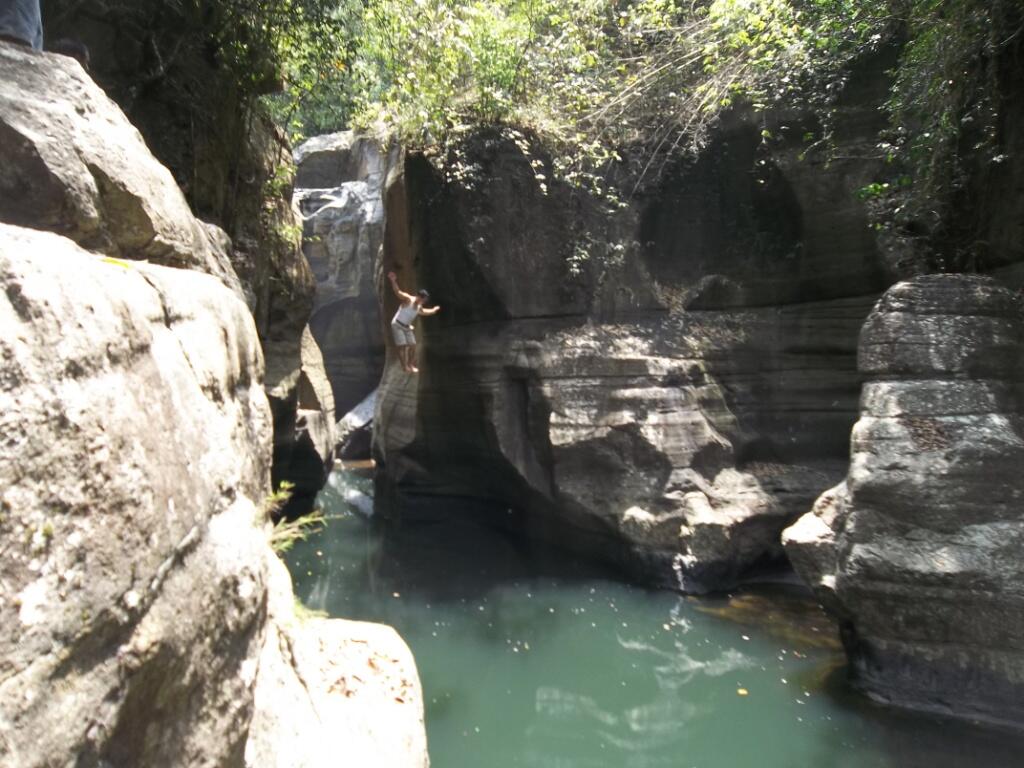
(402, 295)
(431, 311)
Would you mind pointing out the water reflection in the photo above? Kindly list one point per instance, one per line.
(530, 657)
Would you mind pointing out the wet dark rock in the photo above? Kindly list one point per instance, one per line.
(919, 551)
(572, 375)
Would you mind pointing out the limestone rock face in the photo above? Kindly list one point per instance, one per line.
(326, 161)
(583, 373)
(74, 165)
(279, 285)
(133, 463)
(308, 456)
(135, 625)
(338, 190)
(77, 167)
(920, 550)
(334, 692)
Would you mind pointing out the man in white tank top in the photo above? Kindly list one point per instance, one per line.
(401, 324)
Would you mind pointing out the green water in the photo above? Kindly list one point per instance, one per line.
(531, 658)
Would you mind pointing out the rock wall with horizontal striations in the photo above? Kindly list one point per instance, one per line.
(665, 387)
(920, 550)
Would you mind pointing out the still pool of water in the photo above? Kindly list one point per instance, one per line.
(529, 657)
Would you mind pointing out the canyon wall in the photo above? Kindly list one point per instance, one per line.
(919, 550)
(668, 383)
(338, 190)
(166, 67)
(146, 620)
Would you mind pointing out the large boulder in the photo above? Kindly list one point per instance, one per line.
(76, 166)
(136, 462)
(338, 190)
(333, 692)
(165, 66)
(73, 164)
(920, 550)
(584, 372)
(133, 467)
(134, 552)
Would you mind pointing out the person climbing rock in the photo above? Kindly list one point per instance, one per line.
(401, 323)
(21, 23)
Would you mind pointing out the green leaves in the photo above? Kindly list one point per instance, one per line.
(593, 77)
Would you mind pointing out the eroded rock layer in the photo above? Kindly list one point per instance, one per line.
(920, 550)
(651, 383)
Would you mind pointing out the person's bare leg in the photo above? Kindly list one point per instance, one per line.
(406, 365)
(412, 360)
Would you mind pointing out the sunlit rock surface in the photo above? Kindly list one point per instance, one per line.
(338, 190)
(920, 550)
(135, 463)
(134, 460)
(334, 692)
(74, 165)
(133, 541)
(663, 386)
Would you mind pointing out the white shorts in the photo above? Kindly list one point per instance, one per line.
(404, 337)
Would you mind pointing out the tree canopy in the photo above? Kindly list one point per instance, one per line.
(591, 77)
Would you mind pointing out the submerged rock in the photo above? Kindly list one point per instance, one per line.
(920, 550)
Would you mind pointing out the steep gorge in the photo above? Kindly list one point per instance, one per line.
(675, 380)
(671, 385)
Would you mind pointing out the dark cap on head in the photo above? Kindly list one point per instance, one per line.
(423, 294)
